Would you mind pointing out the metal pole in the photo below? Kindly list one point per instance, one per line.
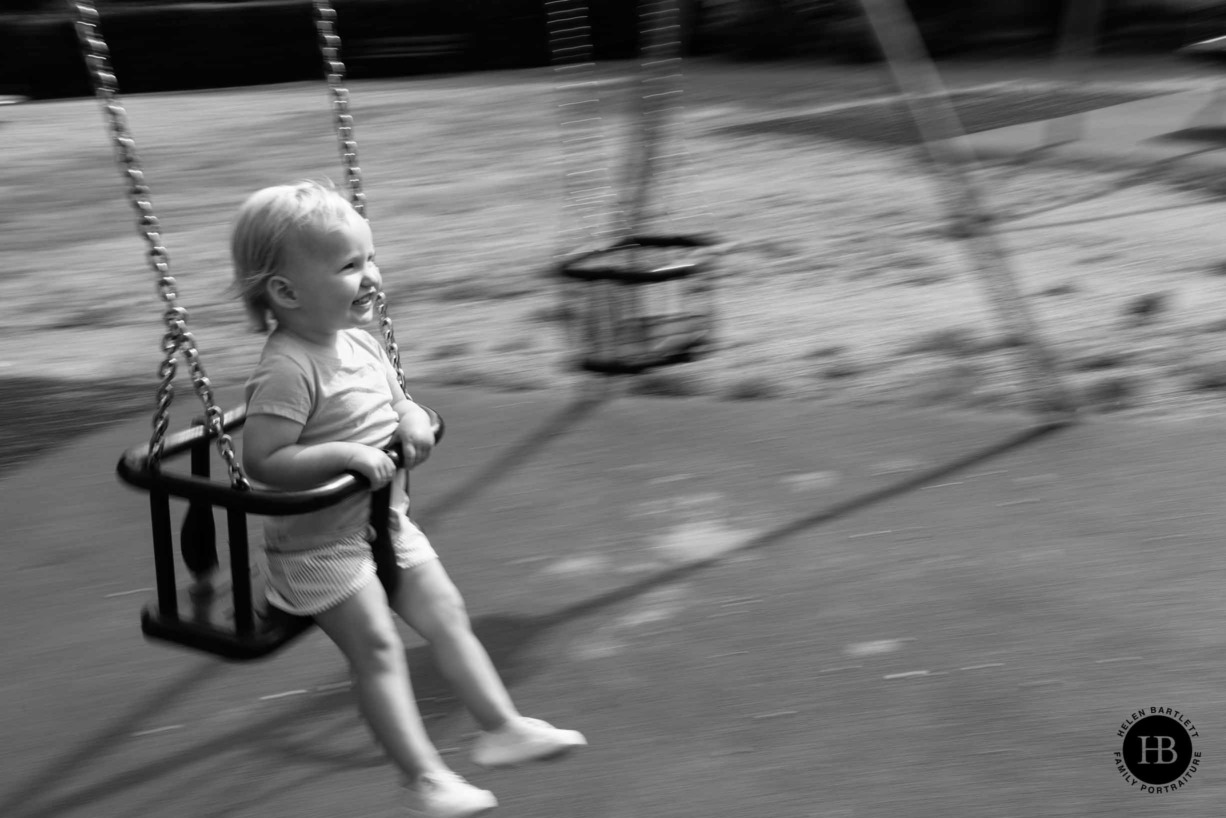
(1078, 41)
(946, 142)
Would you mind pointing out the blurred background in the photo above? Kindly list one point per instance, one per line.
(966, 649)
(38, 56)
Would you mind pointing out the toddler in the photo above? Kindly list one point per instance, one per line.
(324, 399)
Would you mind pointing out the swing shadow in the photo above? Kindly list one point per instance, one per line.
(95, 747)
(1047, 225)
(41, 415)
(1137, 177)
(509, 640)
(25, 801)
(275, 732)
(511, 458)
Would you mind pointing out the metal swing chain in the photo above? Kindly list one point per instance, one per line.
(589, 191)
(334, 69)
(177, 337)
(658, 103)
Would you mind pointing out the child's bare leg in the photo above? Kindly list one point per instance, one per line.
(431, 605)
(362, 627)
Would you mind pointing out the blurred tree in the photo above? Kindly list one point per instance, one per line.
(27, 6)
(765, 29)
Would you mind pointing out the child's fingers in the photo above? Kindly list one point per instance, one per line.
(414, 455)
(382, 472)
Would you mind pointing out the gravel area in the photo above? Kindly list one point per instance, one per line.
(844, 282)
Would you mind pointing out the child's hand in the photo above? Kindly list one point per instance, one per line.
(416, 436)
(373, 464)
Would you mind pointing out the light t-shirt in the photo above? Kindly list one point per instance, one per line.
(342, 394)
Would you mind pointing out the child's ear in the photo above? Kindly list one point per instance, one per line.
(281, 292)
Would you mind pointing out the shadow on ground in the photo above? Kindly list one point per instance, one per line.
(510, 640)
(39, 415)
(515, 644)
(888, 122)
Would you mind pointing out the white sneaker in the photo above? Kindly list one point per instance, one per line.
(447, 795)
(523, 739)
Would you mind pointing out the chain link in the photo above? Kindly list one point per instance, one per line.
(658, 103)
(589, 192)
(597, 206)
(177, 338)
(334, 70)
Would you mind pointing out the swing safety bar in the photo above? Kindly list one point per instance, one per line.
(197, 617)
(134, 469)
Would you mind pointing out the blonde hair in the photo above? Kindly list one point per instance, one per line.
(267, 221)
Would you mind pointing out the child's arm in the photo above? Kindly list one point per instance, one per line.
(415, 433)
(272, 455)
(416, 429)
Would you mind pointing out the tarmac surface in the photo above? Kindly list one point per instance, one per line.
(750, 608)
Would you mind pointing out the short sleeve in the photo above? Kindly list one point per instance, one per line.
(279, 386)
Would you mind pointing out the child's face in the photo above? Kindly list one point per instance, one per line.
(334, 276)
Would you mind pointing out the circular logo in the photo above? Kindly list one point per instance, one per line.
(1157, 753)
(1157, 750)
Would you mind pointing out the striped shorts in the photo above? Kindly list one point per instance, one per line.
(305, 583)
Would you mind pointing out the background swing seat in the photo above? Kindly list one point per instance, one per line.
(641, 303)
(231, 619)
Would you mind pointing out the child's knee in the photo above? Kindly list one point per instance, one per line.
(376, 647)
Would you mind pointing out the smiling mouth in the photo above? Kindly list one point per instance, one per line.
(364, 301)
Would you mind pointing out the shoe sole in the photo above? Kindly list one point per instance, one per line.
(479, 811)
(551, 755)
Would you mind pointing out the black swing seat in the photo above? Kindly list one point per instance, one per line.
(642, 302)
(230, 619)
(645, 342)
(207, 623)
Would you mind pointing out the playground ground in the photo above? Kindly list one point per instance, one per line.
(763, 607)
(750, 608)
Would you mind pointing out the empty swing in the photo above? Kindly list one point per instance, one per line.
(203, 616)
(635, 300)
